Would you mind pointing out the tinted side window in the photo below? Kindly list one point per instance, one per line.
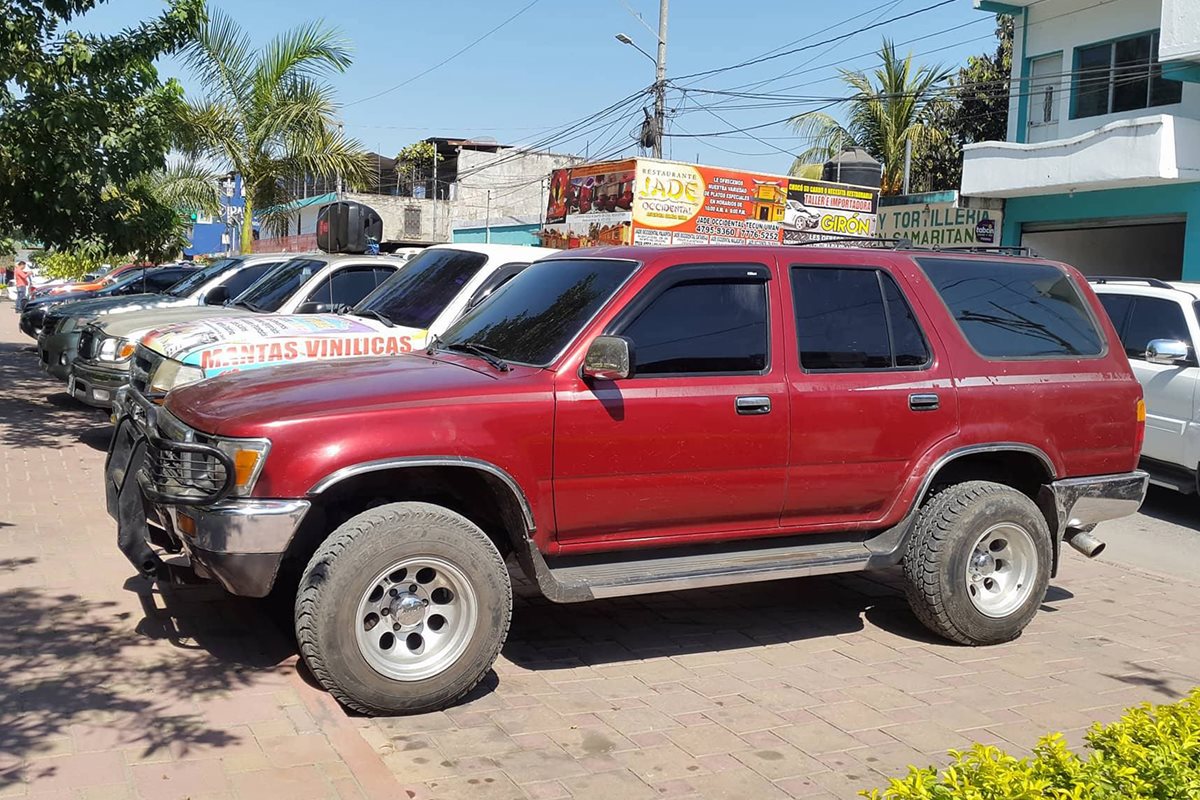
(1015, 309)
(1117, 306)
(711, 326)
(243, 279)
(908, 343)
(164, 279)
(853, 319)
(323, 293)
(1154, 318)
(351, 285)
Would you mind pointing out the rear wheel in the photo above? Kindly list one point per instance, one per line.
(978, 563)
(403, 609)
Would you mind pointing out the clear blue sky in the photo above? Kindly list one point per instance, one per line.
(559, 62)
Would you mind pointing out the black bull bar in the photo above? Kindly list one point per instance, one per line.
(143, 470)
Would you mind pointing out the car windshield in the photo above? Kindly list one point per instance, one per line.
(272, 290)
(421, 290)
(201, 276)
(532, 318)
(126, 279)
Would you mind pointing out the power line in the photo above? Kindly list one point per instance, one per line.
(446, 60)
(793, 51)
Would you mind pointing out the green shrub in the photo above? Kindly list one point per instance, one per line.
(1151, 753)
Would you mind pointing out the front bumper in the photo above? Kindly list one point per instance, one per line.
(95, 385)
(1082, 503)
(57, 352)
(238, 542)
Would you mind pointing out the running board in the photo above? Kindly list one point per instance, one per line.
(1169, 476)
(577, 578)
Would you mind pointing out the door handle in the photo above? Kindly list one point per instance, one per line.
(751, 405)
(923, 402)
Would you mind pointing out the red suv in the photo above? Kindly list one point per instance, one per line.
(631, 420)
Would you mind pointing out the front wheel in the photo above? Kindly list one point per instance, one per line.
(978, 563)
(403, 609)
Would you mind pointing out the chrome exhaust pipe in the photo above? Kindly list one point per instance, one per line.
(1084, 542)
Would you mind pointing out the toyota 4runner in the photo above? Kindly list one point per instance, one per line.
(638, 420)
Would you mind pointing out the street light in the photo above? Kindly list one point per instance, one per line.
(660, 74)
(623, 39)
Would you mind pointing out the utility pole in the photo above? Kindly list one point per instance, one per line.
(487, 219)
(660, 80)
(339, 175)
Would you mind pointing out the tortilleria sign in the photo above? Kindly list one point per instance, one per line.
(941, 225)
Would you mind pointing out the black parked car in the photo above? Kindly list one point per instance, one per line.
(139, 281)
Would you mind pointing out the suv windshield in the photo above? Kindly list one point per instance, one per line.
(422, 289)
(273, 289)
(201, 276)
(532, 318)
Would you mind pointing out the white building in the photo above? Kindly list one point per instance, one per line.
(1101, 167)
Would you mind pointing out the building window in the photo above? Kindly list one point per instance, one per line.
(1121, 75)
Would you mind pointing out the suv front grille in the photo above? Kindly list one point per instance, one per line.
(88, 344)
(145, 361)
(181, 470)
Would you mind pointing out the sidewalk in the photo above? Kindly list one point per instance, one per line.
(112, 688)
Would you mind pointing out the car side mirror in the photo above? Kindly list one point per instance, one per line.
(217, 296)
(609, 358)
(312, 307)
(1169, 352)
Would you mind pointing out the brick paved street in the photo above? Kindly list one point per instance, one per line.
(112, 688)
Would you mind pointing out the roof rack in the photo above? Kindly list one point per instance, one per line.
(1155, 282)
(895, 243)
(1007, 249)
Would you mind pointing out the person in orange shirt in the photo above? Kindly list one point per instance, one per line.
(24, 280)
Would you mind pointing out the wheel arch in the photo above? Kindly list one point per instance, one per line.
(482, 492)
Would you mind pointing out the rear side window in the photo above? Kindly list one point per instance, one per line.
(1154, 318)
(1117, 307)
(854, 319)
(702, 327)
(1014, 309)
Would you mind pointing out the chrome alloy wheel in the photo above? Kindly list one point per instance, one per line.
(416, 618)
(1002, 570)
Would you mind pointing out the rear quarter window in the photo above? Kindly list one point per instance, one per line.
(1015, 309)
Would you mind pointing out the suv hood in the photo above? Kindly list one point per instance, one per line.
(135, 324)
(263, 340)
(254, 403)
(128, 303)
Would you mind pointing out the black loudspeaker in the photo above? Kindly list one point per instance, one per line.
(345, 227)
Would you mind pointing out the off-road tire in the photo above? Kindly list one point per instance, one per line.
(942, 540)
(338, 574)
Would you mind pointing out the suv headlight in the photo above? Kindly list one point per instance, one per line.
(67, 325)
(116, 349)
(171, 374)
(248, 457)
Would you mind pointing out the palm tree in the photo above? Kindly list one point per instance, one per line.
(267, 114)
(887, 109)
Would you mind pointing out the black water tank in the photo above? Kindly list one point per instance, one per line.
(853, 165)
(344, 227)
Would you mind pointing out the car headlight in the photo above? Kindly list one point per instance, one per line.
(68, 324)
(248, 456)
(116, 349)
(171, 374)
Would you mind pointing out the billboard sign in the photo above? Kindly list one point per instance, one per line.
(820, 210)
(942, 225)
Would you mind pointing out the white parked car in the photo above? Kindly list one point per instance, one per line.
(1158, 325)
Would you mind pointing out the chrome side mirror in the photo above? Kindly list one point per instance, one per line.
(609, 358)
(1170, 352)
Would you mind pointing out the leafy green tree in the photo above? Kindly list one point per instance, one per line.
(84, 119)
(267, 114)
(416, 162)
(975, 110)
(887, 110)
